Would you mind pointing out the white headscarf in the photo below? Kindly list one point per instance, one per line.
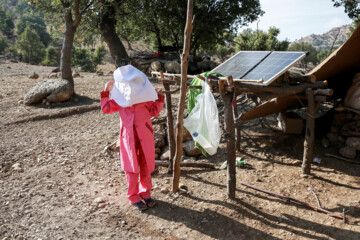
(132, 86)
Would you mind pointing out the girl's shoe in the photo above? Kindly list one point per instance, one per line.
(141, 206)
(150, 202)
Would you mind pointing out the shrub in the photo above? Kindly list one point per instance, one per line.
(99, 55)
(50, 57)
(81, 57)
(31, 48)
(3, 44)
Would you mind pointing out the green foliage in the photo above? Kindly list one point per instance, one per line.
(323, 54)
(99, 55)
(355, 23)
(83, 58)
(32, 50)
(261, 41)
(50, 57)
(13, 50)
(36, 23)
(3, 44)
(164, 21)
(305, 47)
(6, 24)
(352, 7)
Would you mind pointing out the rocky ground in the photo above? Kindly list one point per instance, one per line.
(56, 182)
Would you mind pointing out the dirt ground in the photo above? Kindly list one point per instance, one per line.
(56, 182)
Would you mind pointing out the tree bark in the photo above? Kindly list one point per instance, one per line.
(66, 53)
(108, 31)
(180, 113)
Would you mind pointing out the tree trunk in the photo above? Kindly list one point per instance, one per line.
(66, 53)
(108, 31)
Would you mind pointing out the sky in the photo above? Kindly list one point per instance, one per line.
(300, 18)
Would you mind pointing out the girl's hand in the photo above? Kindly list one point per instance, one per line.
(159, 91)
(109, 85)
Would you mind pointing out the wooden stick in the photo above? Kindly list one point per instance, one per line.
(293, 200)
(180, 113)
(309, 134)
(325, 92)
(186, 164)
(341, 158)
(174, 75)
(170, 124)
(170, 92)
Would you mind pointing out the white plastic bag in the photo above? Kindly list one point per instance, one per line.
(203, 121)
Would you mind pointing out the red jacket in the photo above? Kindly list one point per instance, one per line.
(137, 116)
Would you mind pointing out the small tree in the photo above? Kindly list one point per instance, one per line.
(81, 57)
(99, 55)
(31, 48)
(305, 47)
(36, 23)
(50, 57)
(3, 44)
(6, 24)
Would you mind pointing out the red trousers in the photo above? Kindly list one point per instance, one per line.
(139, 190)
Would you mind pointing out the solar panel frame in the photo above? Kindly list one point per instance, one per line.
(275, 63)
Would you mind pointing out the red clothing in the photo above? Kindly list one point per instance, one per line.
(135, 117)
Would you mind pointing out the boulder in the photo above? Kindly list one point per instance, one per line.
(353, 142)
(172, 67)
(190, 149)
(53, 90)
(206, 65)
(155, 66)
(348, 152)
(159, 135)
(53, 75)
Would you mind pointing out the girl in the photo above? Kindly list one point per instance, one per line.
(136, 100)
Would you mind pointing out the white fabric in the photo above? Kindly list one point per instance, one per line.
(131, 86)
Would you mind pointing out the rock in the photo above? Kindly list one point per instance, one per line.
(56, 70)
(333, 138)
(155, 66)
(75, 74)
(165, 155)
(34, 75)
(99, 73)
(186, 135)
(20, 101)
(348, 152)
(206, 65)
(172, 67)
(52, 75)
(325, 142)
(190, 149)
(159, 135)
(17, 167)
(353, 142)
(164, 190)
(98, 200)
(54, 90)
(157, 150)
(1, 97)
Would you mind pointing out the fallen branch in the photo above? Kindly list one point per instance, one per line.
(186, 164)
(341, 158)
(294, 200)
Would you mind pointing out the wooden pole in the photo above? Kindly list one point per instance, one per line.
(186, 164)
(180, 113)
(230, 139)
(170, 124)
(309, 133)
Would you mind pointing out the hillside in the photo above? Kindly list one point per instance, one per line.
(325, 41)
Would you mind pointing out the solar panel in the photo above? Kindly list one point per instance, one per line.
(255, 65)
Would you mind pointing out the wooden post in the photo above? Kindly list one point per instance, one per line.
(309, 133)
(180, 113)
(170, 123)
(230, 139)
